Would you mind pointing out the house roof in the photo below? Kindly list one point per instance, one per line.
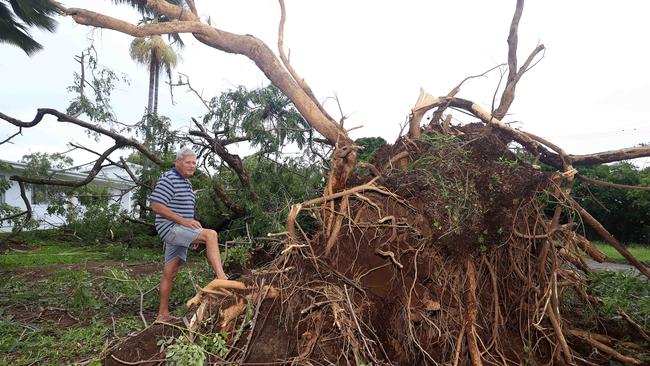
(109, 176)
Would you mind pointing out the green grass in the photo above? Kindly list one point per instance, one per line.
(43, 253)
(641, 253)
(105, 300)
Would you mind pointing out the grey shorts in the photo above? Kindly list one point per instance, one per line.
(177, 241)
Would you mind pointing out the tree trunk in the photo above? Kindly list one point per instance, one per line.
(152, 81)
(155, 89)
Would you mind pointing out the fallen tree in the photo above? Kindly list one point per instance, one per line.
(454, 250)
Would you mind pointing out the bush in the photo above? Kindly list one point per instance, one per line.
(623, 290)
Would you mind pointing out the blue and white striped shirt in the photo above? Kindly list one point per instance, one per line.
(174, 191)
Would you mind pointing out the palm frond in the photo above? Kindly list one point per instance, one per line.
(36, 13)
(139, 5)
(16, 34)
(153, 49)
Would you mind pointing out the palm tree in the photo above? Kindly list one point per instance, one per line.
(17, 17)
(155, 53)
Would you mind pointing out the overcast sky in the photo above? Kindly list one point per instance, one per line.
(588, 94)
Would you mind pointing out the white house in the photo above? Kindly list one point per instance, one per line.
(115, 179)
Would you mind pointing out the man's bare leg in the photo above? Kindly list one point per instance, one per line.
(166, 283)
(210, 238)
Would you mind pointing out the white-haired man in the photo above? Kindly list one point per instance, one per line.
(173, 202)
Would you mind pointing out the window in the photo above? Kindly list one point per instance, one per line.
(39, 193)
(42, 194)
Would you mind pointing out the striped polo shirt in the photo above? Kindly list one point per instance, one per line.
(174, 191)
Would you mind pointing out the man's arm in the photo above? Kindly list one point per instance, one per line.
(167, 213)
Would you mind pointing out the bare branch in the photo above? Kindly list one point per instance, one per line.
(514, 74)
(226, 199)
(591, 221)
(20, 130)
(62, 117)
(138, 221)
(28, 209)
(192, 7)
(70, 183)
(610, 184)
(189, 86)
(285, 61)
(233, 161)
(437, 115)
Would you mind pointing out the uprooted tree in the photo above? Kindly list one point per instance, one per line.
(451, 250)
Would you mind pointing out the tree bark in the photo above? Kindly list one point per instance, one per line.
(156, 88)
(152, 82)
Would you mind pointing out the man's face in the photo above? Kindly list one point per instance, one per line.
(186, 165)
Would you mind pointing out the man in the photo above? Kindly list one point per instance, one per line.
(173, 202)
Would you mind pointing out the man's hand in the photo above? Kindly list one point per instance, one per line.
(191, 223)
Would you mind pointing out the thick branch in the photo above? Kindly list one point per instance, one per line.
(591, 221)
(27, 212)
(514, 74)
(226, 200)
(70, 183)
(285, 60)
(611, 185)
(246, 45)
(233, 161)
(62, 117)
(611, 156)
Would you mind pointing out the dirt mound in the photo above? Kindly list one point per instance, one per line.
(441, 255)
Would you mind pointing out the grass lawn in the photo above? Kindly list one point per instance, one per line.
(62, 303)
(641, 253)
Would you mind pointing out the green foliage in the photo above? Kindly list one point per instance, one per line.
(182, 351)
(216, 343)
(625, 213)
(237, 254)
(624, 290)
(265, 116)
(369, 146)
(77, 284)
(277, 185)
(53, 254)
(56, 251)
(40, 164)
(4, 184)
(48, 343)
(512, 164)
(94, 102)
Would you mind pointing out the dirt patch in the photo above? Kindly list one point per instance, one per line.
(36, 273)
(10, 245)
(142, 347)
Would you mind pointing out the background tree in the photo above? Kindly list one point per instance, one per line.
(156, 54)
(625, 211)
